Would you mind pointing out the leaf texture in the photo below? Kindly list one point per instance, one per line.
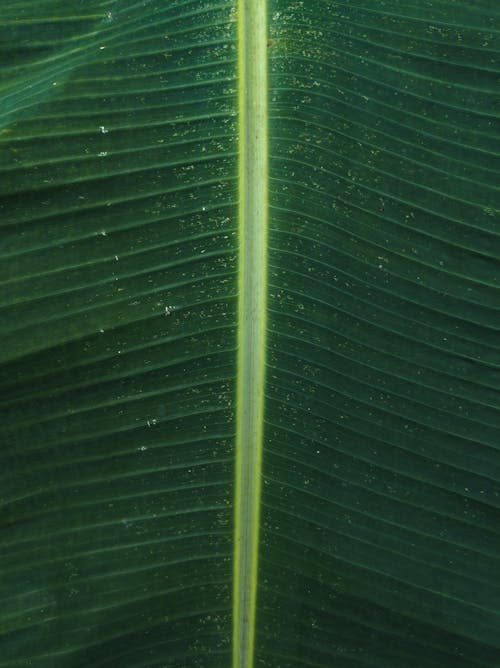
(119, 296)
(379, 533)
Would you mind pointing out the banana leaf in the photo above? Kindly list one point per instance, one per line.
(250, 353)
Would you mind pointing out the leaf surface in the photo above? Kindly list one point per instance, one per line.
(121, 242)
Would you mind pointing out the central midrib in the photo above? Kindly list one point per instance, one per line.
(253, 213)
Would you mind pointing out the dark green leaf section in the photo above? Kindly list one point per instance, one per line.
(118, 200)
(40, 46)
(381, 521)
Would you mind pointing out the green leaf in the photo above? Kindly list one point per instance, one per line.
(194, 479)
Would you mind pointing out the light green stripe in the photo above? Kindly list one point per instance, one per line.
(253, 178)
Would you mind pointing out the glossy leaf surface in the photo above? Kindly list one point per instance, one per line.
(379, 540)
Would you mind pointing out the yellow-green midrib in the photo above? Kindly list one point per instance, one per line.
(253, 198)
